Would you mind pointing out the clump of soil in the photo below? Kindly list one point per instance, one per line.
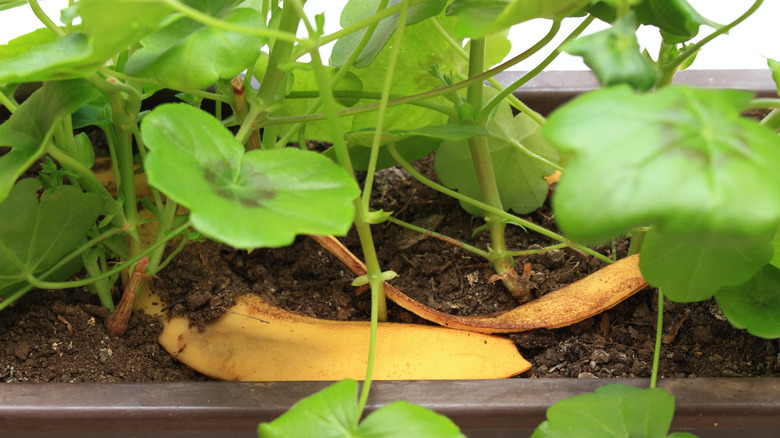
(59, 336)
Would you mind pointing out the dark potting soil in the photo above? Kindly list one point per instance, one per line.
(59, 336)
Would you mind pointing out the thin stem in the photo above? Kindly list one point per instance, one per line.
(371, 20)
(273, 81)
(658, 336)
(542, 65)
(210, 21)
(435, 106)
(41, 284)
(402, 100)
(668, 69)
(763, 103)
(452, 241)
(342, 71)
(527, 252)
(482, 206)
(380, 117)
(533, 155)
(197, 93)
(86, 177)
(513, 101)
(8, 103)
(36, 8)
(373, 271)
(772, 120)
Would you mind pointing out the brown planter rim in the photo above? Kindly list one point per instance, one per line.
(707, 407)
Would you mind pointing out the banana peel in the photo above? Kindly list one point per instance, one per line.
(254, 341)
(570, 304)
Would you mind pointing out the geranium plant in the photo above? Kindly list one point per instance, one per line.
(677, 168)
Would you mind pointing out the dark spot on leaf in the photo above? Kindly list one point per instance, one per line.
(250, 189)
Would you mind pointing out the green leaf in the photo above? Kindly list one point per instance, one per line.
(774, 66)
(676, 19)
(614, 55)
(357, 10)
(62, 58)
(520, 178)
(260, 198)
(688, 272)
(110, 27)
(36, 234)
(26, 42)
(29, 128)
(680, 159)
(329, 413)
(422, 47)
(613, 410)
(477, 18)
(332, 413)
(189, 55)
(115, 25)
(405, 420)
(754, 305)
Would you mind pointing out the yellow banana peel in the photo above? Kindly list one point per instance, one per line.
(254, 341)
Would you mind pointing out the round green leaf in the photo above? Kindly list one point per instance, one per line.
(613, 410)
(614, 55)
(688, 272)
(754, 305)
(520, 178)
(35, 234)
(681, 159)
(187, 54)
(261, 198)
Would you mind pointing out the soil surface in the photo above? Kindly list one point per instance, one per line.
(60, 336)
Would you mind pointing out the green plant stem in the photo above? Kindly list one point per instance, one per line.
(442, 237)
(764, 103)
(101, 288)
(374, 95)
(483, 166)
(481, 205)
(122, 119)
(272, 82)
(371, 20)
(363, 227)
(150, 81)
(658, 337)
(342, 71)
(380, 117)
(668, 69)
(42, 284)
(402, 100)
(536, 70)
(36, 8)
(637, 237)
(527, 252)
(7, 103)
(278, 35)
(772, 120)
(513, 101)
(87, 178)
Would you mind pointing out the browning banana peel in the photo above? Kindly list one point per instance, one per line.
(254, 341)
(570, 304)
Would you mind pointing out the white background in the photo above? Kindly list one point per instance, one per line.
(747, 46)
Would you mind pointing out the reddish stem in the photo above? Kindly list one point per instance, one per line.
(116, 323)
